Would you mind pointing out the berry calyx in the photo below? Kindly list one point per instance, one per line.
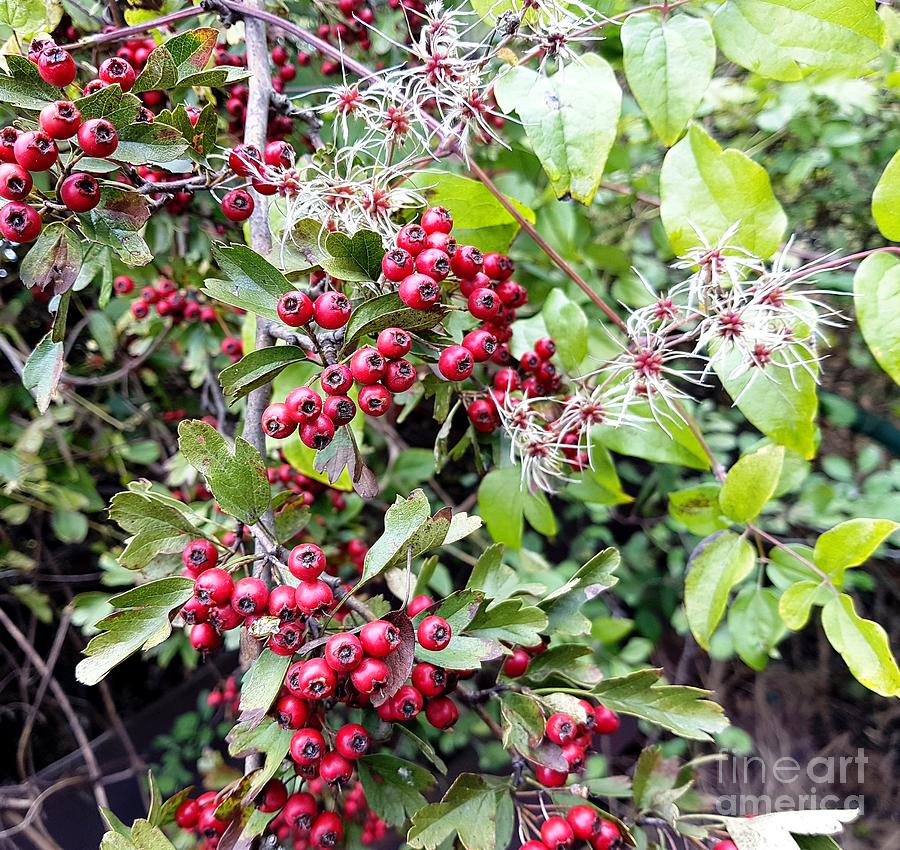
(419, 291)
(343, 652)
(374, 400)
(250, 596)
(307, 746)
(303, 404)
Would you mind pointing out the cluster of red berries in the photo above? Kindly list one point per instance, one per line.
(246, 160)
(226, 695)
(286, 69)
(355, 28)
(167, 299)
(575, 740)
(581, 823)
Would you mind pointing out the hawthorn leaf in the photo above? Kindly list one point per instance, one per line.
(251, 282)
(388, 311)
(401, 522)
(257, 369)
(563, 605)
(522, 720)
(501, 504)
(775, 831)
(567, 323)
(157, 527)
(117, 221)
(53, 262)
(23, 86)
(796, 602)
(261, 684)
(156, 144)
(510, 620)
(43, 369)
(393, 786)
(354, 258)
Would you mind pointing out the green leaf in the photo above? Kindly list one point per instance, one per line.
(876, 297)
(154, 144)
(501, 504)
(157, 526)
(682, 710)
(568, 325)
(716, 565)
(117, 221)
(705, 190)
(755, 625)
(42, 371)
(478, 217)
(751, 482)
(199, 134)
(511, 621)
(886, 200)
(141, 621)
(53, 262)
(191, 50)
(669, 62)
(393, 786)
(563, 605)
(539, 512)
(104, 333)
(863, 644)
(570, 118)
(782, 402)
(159, 72)
(354, 258)
(797, 601)
(261, 684)
(850, 543)
(111, 103)
(784, 39)
(251, 282)
(257, 369)
(522, 720)
(698, 508)
(267, 738)
(25, 17)
(401, 522)
(237, 477)
(569, 661)
(23, 87)
(468, 809)
(142, 836)
(388, 311)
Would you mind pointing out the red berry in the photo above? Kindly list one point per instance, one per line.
(279, 54)
(608, 836)
(288, 639)
(35, 151)
(399, 376)
(8, 136)
(194, 611)
(277, 422)
(606, 721)
(291, 712)
(97, 85)
(484, 304)
(506, 380)
(396, 264)
(429, 680)
(418, 604)
(335, 769)
(545, 348)
(199, 555)
(534, 845)
(307, 746)
(336, 379)
(343, 652)
(407, 703)
(419, 291)
(719, 845)
(312, 679)
(272, 797)
(214, 586)
(122, 284)
(483, 416)
(433, 633)
(60, 120)
(466, 262)
(434, 263)
(379, 638)
(244, 160)
(15, 182)
(117, 70)
(411, 239)
(304, 404)
(530, 362)
(306, 562)
(98, 137)
(481, 343)
(250, 596)
(208, 824)
(561, 728)
(374, 400)
(456, 363)
(314, 597)
(585, 821)
(511, 293)
(516, 664)
(187, 814)
(80, 192)
(237, 205)
(437, 220)
(294, 308)
(140, 309)
(19, 222)
(352, 741)
(556, 833)
(283, 602)
(279, 155)
(441, 713)
(371, 674)
(56, 66)
(394, 343)
(367, 365)
(287, 72)
(232, 346)
(204, 638)
(550, 778)
(327, 830)
(332, 310)
(498, 266)
(340, 409)
(443, 242)
(300, 811)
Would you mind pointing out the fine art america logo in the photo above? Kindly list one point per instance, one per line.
(759, 786)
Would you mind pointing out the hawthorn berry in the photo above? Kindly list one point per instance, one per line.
(343, 652)
(534, 844)
(609, 835)
(194, 611)
(80, 192)
(96, 85)
(15, 182)
(250, 596)
(208, 824)
(433, 633)
(484, 304)
(367, 365)
(419, 291)
(60, 120)
(231, 346)
(140, 309)
(352, 741)
(35, 151)
(303, 404)
(123, 284)
(561, 728)
(371, 674)
(374, 400)
(585, 822)
(20, 222)
(307, 746)
(481, 343)
(556, 833)
(429, 680)
(456, 363)
(306, 562)
(335, 769)
(545, 348)
(204, 638)
(237, 205)
(279, 155)
(399, 376)
(336, 379)
(606, 721)
(483, 416)
(187, 814)
(288, 639)
(244, 160)
(199, 555)
(294, 308)
(379, 638)
(300, 811)
(394, 343)
(443, 242)
(418, 604)
(411, 239)
(97, 137)
(437, 220)
(314, 680)
(466, 262)
(277, 422)
(279, 54)
(214, 586)
(291, 712)
(272, 797)
(340, 409)
(397, 264)
(441, 712)
(516, 664)
(498, 266)
(407, 703)
(8, 136)
(511, 294)
(530, 362)
(56, 66)
(507, 380)
(314, 597)
(327, 830)
(550, 778)
(434, 263)
(332, 310)
(117, 70)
